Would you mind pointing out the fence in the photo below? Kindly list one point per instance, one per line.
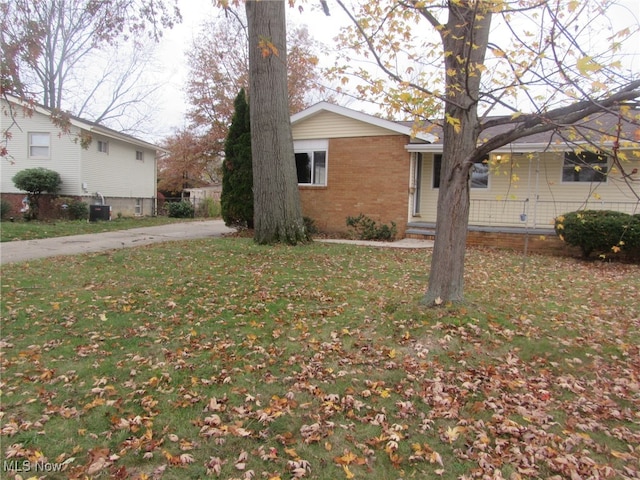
(535, 213)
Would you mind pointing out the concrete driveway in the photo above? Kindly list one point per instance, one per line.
(13, 252)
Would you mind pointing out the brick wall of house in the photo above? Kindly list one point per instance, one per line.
(549, 244)
(368, 175)
(48, 208)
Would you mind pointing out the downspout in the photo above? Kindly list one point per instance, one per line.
(154, 199)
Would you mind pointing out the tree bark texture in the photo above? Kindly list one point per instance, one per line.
(465, 42)
(277, 210)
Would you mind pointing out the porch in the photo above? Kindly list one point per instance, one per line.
(518, 224)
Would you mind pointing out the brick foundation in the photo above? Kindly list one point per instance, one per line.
(50, 209)
(47, 206)
(535, 243)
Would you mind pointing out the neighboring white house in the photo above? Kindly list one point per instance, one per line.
(96, 163)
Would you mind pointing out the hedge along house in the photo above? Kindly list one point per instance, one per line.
(97, 164)
(351, 163)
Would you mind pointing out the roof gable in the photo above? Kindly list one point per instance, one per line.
(326, 107)
(83, 124)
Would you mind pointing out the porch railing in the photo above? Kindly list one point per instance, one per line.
(536, 213)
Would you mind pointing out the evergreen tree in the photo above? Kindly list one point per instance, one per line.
(237, 174)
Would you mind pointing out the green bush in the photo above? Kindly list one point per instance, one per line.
(310, 226)
(367, 229)
(208, 208)
(5, 208)
(72, 208)
(36, 181)
(599, 231)
(183, 209)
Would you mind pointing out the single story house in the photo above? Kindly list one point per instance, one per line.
(349, 163)
(97, 164)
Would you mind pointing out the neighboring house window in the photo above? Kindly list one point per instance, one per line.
(584, 167)
(311, 162)
(139, 155)
(103, 146)
(479, 172)
(39, 145)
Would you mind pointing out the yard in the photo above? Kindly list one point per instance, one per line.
(224, 359)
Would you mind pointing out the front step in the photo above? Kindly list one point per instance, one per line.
(421, 229)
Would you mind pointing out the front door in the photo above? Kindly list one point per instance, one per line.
(417, 184)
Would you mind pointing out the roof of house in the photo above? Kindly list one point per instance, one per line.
(84, 124)
(595, 127)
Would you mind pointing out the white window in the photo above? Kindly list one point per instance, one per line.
(39, 145)
(139, 155)
(311, 161)
(103, 146)
(584, 167)
(138, 207)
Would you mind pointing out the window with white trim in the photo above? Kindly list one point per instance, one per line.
(584, 167)
(139, 155)
(311, 161)
(103, 146)
(39, 144)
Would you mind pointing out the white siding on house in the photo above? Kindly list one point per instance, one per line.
(531, 184)
(331, 125)
(117, 173)
(63, 151)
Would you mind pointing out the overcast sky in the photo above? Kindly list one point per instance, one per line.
(177, 41)
(172, 50)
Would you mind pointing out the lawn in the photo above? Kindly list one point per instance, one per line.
(225, 359)
(23, 230)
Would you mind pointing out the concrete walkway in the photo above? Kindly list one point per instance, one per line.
(22, 251)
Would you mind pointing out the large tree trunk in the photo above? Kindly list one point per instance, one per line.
(465, 43)
(278, 216)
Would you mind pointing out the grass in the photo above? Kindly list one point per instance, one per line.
(22, 230)
(227, 359)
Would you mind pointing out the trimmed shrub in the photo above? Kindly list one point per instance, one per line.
(183, 209)
(599, 231)
(36, 181)
(366, 228)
